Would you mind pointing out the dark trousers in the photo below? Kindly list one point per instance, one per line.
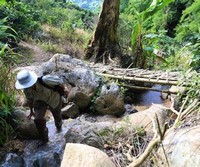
(40, 121)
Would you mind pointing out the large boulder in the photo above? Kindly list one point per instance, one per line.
(26, 128)
(80, 97)
(181, 147)
(110, 101)
(86, 132)
(59, 64)
(144, 118)
(70, 111)
(76, 155)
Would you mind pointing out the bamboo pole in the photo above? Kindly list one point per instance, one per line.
(149, 89)
(148, 80)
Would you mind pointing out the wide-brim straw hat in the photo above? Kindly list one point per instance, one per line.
(25, 79)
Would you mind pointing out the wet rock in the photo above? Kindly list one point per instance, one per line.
(130, 109)
(85, 156)
(51, 159)
(48, 155)
(13, 160)
(128, 99)
(70, 111)
(181, 148)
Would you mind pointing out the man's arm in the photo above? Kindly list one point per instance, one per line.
(29, 104)
(31, 113)
(66, 91)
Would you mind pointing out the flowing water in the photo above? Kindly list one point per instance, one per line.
(144, 99)
(48, 155)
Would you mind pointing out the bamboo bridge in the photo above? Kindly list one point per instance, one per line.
(132, 75)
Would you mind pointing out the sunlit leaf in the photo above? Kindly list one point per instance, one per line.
(135, 34)
(2, 2)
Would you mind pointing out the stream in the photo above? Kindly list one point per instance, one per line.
(144, 99)
(48, 155)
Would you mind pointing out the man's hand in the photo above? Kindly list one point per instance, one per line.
(66, 92)
(31, 114)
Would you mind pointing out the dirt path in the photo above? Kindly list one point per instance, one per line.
(38, 55)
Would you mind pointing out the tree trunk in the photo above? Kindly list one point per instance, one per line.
(104, 46)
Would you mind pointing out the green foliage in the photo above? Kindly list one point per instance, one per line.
(59, 14)
(188, 29)
(132, 4)
(70, 26)
(184, 58)
(140, 27)
(7, 91)
(123, 5)
(5, 131)
(124, 32)
(191, 81)
(6, 105)
(155, 26)
(27, 16)
(6, 33)
(66, 27)
(179, 61)
(195, 54)
(92, 106)
(2, 2)
(162, 21)
(169, 17)
(21, 17)
(7, 102)
(195, 64)
(188, 32)
(144, 15)
(157, 47)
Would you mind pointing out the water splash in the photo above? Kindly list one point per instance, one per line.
(49, 154)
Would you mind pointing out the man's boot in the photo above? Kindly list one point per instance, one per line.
(58, 126)
(42, 130)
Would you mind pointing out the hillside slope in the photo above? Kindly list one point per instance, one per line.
(87, 4)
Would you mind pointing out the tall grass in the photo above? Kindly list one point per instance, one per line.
(7, 91)
(7, 96)
(64, 40)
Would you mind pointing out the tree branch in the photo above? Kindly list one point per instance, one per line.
(154, 142)
(146, 153)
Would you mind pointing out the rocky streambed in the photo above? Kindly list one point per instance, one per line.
(115, 136)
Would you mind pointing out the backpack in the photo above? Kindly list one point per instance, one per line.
(53, 82)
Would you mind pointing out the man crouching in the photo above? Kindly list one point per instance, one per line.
(39, 98)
